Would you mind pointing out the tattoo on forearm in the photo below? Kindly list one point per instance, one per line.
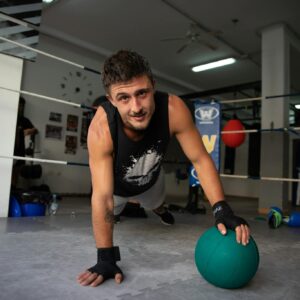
(109, 217)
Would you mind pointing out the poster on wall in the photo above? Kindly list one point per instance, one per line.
(71, 144)
(53, 132)
(55, 117)
(208, 120)
(72, 123)
(84, 131)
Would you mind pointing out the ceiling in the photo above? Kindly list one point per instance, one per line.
(106, 26)
(232, 27)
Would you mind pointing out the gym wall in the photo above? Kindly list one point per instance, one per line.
(10, 77)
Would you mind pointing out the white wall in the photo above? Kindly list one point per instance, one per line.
(45, 77)
(10, 77)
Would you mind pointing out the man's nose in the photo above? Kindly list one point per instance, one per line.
(136, 104)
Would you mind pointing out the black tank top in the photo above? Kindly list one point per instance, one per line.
(137, 163)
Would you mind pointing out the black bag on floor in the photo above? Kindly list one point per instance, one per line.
(31, 171)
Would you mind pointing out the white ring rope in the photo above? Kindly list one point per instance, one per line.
(49, 161)
(37, 28)
(60, 162)
(42, 52)
(261, 178)
(242, 100)
(258, 130)
(42, 96)
(83, 106)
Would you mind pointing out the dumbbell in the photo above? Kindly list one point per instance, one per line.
(276, 218)
(293, 220)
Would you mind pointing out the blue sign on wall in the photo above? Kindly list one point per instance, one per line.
(208, 122)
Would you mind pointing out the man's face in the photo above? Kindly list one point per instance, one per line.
(135, 102)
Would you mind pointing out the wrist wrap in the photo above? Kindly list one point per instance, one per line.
(225, 215)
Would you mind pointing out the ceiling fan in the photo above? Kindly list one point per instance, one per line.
(193, 36)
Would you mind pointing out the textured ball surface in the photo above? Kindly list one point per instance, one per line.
(233, 140)
(223, 262)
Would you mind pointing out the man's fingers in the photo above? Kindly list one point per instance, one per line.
(246, 234)
(238, 231)
(242, 234)
(94, 279)
(99, 279)
(89, 279)
(222, 228)
(83, 276)
(119, 278)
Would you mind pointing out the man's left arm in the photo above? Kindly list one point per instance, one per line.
(182, 125)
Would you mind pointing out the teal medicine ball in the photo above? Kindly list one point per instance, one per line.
(223, 262)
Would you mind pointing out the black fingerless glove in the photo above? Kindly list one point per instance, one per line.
(224, 214)
(106, 263)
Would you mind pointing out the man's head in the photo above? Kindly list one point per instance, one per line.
(130, 88)
(124, 66)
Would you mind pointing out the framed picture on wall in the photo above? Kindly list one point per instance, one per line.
(55, 117)
(53, 132)
(84, 131)
(71, 144)
(72, 123)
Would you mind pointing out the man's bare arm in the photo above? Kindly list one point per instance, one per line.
(182, 125)
(100, 148)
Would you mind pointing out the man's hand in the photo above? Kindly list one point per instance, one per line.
(225, 218)
(105, 268)
(99, 273)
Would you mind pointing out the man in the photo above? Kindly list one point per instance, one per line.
(24, 128)
(132, 208)
(127, 140)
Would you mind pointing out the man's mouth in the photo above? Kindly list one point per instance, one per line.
(138, 117)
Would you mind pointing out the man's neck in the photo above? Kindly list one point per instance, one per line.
(134, 135)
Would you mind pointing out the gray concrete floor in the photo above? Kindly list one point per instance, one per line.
(40, 257)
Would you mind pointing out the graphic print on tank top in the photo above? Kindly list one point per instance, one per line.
(143, 167)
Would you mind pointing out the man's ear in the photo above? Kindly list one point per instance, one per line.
(110, 99)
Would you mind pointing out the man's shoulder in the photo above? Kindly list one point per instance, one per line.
(100, 118)
(174, 101)
(99, 132)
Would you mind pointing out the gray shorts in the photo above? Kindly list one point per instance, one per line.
(151, 199)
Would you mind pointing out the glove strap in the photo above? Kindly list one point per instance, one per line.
(222, 209)
(109, 254)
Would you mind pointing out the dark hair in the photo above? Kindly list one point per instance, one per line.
(123, 66)
(22, 100)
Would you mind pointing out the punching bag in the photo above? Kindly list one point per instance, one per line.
(233, 140)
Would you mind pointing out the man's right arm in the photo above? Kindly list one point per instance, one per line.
(100, 147)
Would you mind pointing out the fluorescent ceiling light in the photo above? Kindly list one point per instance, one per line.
(297, 106)
(215, 64)
(47, 1)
